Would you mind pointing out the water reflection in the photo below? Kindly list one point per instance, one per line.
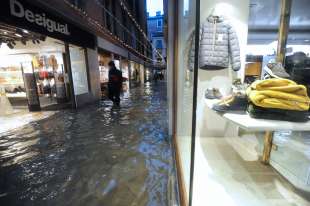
(101, 155)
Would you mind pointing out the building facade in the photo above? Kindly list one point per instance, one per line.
(66, 45)
(156, 35)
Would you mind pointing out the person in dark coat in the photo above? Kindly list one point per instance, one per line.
(115, 83)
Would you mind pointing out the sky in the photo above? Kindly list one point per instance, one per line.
(154, 5)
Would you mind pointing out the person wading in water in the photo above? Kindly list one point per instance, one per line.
(115, 83)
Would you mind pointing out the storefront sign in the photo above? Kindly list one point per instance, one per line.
(25, 15)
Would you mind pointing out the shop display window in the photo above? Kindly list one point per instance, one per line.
(34, 73)
(242, 120)
(104, 60)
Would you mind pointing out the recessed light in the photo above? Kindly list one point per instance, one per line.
(5, 32)
(25, 31)
(307, 40)
(18, 35)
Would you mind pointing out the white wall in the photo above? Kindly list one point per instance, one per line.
(94, 73)
(106, 45)
(236, 12)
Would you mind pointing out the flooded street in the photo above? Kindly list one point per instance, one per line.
(99, 155)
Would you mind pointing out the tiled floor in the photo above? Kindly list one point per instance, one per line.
(230, 175)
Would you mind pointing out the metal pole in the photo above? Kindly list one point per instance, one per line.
(283, 29)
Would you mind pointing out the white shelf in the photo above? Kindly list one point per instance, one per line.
(248, 123)
(19, 94)
(9, 72)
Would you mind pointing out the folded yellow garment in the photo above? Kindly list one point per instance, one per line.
(279, 94)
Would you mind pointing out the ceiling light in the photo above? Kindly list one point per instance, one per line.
(18, 35)
(5, 32)
(25, 31)
(307, 40)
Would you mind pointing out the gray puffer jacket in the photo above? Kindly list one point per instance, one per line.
(218, 47)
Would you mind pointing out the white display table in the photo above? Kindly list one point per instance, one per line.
(244, 121)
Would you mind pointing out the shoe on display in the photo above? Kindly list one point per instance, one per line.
(217, 93)
(238, 87)
(213, 94)
(232, 103)
(209, 94)
(278, 70)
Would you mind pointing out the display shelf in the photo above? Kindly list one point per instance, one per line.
(248, 123)
(19, 94)
(12, 83)
(9, 72)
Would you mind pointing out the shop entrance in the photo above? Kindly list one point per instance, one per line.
(33, 72)
(104, 58)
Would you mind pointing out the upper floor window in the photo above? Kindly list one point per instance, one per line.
(159, 23)
(159, 44)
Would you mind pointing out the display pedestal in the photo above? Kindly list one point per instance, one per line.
(261, 125)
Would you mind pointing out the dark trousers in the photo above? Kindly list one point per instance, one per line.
(114, 94)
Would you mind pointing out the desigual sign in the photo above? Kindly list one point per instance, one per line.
(17, 9)
(34, 16)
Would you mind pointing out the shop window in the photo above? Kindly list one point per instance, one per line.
(230, 118)
(79, 70)
(159, 23)
(159, 44)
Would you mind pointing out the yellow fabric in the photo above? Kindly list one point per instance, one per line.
(279, 94)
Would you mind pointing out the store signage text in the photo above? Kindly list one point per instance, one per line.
(18, 10)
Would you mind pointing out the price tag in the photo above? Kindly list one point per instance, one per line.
(220, 37)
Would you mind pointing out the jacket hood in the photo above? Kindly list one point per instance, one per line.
(217, 19)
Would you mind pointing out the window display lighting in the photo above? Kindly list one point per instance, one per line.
(11, 34)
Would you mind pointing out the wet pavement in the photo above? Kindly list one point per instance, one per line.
(100, 155)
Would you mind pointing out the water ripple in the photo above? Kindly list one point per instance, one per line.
(100, 155)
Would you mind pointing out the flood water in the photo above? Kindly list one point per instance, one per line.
(99, 155)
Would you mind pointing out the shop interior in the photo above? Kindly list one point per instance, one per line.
(104, 58)
(121, 63)
(251, 148)
(135, 73)
(26, 54)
